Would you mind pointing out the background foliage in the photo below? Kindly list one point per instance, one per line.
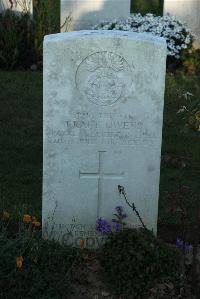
(46, 16)
(16, 41)
(147, 6)
(21, 36)
(133, 260)
(31, 266)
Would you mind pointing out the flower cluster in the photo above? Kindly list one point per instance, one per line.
(103, 226)
(180, 244)
(31, 219)
(177, 36)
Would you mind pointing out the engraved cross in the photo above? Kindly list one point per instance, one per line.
(100, 175)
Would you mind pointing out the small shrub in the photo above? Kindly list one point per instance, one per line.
(31, 266)
(133, 260)
(191, 62)
(189, 113)
(46, 15)
(16, 41)
(21, 35)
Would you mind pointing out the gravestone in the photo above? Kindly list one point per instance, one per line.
(187, 11)
(18, 7)
(103, 109)
(87, 13)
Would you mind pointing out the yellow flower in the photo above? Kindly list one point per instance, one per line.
(82, 243)
(19, 261)
(27, 218)
(33, 219)
(6, 215)
(36, 223)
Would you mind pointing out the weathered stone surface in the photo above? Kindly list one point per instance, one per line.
(87, 13)
(103, 107)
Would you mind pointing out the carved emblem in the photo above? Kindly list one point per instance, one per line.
(101, 77)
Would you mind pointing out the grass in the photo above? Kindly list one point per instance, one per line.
(182, 146)
(21, 143)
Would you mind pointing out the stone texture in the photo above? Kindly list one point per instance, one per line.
(187, 11)
(103, 108)
(87, 13)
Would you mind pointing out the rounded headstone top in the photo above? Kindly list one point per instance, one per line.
(147, 37)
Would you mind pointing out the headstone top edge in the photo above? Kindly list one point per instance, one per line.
(148, 37)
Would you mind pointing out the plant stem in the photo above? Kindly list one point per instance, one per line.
(133, 207)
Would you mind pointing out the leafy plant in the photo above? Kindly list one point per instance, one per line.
(190, 112)
(191, 61)
(31, 265)
(46, 15)
(133, 260)
(16, 40)
(145, 6)
(21, 36)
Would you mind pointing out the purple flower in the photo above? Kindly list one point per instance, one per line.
(188, 247)
(103, 226)
(179, 243)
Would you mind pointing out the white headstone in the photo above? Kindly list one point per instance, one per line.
(188, 11)
(87, 13)
(17, 6)
(103, 109)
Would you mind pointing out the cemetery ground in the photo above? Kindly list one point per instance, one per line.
(21, 187)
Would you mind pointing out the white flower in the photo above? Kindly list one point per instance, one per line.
(169, 27)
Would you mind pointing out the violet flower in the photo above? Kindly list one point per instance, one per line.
(180, 243)
(103, 226)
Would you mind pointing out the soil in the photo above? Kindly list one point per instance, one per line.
(89, 286)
